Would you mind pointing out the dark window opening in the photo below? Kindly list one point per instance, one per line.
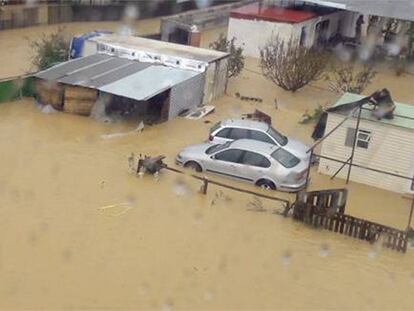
(231, 155)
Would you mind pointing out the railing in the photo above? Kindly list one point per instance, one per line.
(206, 181)
(354, 227)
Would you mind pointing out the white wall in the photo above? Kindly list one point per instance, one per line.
(252, 34)
(391, 149)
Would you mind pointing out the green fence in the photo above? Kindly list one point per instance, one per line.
(15, 88)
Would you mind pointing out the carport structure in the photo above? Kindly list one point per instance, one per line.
(128, 87)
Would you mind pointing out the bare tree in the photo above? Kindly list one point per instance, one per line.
(236, 60)
(290, 65)
(350, 77)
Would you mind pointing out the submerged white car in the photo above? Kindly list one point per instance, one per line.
(265, 165)
(232, 129)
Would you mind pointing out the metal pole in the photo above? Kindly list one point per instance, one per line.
(308, 172)
(354, 145)
(411, 213)
(340, 169)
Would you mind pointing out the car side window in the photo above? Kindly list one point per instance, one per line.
(255, 159)
(238, 133)
(230, 155)
(256, 135)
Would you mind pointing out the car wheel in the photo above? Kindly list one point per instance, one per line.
(193, 166)
(266, 184)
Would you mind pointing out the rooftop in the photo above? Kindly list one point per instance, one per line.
(402, 9)
(161, 47)
(403, 114)
(118, 76)
(272, 13)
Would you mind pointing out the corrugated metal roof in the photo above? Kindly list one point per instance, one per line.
(60, 70)
(401, 9)
(403, 114)
(148, 82)
(118, 76)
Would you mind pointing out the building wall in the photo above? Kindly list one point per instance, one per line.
(209, 84)
(390, 149)
(252, 34)
(186, 95)
(220, 78)
(242, 29)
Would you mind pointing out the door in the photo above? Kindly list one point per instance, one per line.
(228, 163)
(254, 166)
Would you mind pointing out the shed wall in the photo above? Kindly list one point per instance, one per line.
(390, 149)
(186, 95)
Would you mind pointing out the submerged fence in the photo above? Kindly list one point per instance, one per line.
(321, 209)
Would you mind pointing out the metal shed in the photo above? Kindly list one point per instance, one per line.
(381, 145)
(136, 85)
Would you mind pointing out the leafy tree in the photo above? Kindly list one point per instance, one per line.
(50, 49)
(350, 77)
(236, 59)
(290, 65)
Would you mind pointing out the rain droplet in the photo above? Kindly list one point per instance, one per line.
(208, 296)
(287, 258)
(180, 187)
(324, 251)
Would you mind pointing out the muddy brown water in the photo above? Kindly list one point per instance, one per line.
(79, 230)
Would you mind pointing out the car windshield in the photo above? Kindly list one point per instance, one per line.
(285, 158)
(281, 139)
(215, 127)
(216, 148)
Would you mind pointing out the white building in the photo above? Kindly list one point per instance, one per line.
(253, 25)
(386, 145)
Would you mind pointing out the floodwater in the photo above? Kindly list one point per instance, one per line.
(79, 230)
(15, 50)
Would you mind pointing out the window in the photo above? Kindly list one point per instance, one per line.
(217, 148)
(254, 159)
(363, 138)
(231, 155)
(238, 133)
(256, 135)
(285, 158)
(281, 139)
(215, 127)
(225, 133)
(302, 36)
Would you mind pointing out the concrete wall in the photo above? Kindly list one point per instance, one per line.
(252, 34)
(390, 149)
(220, 78)
(186, 95)
(243, 29)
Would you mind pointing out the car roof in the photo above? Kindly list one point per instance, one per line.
(246, 124)
(254, 146)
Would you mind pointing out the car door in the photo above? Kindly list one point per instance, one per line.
(254, 166)
(226, 163)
